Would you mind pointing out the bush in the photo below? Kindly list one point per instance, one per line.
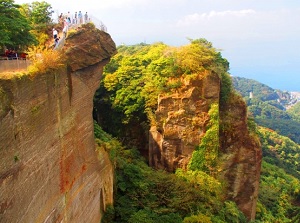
(43, 60)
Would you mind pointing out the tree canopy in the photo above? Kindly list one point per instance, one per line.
(38, 14)
(15, 28)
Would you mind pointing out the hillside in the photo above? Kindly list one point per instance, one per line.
(268, 106)
(279, 194)
(133, 109)
(253, 89)
(176, 105)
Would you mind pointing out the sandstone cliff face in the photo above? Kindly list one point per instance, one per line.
(181, 121)
(241, 156)
(181, 124)
(50, 170)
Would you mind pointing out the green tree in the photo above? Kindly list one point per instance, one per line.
(15, 28)
(39, 14)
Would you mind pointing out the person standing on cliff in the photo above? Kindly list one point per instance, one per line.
(69, 17)
(86, 17)
(61, 18)
(75, 18)
(54, 33)
(80, 17)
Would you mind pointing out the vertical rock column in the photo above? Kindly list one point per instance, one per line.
(181, 120)
(50, 170)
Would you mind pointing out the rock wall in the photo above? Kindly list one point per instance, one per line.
(241, 156)
(181, 121)
(50, 170)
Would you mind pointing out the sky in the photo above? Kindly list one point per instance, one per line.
(259, 38)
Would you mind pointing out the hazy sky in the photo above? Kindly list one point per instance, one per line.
(260, 38)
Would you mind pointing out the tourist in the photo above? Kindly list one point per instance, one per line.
(86, 18)
(61, 18)
(75, 18)
(65, 30)
(69, 17)
(56, 42)
(80, 17)
(54, 33)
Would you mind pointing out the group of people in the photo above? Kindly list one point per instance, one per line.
(77, 18)
(10, 54)
(68, 20)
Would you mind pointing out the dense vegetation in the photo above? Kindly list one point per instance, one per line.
(124, 107)
(134, 78)
(24, 25)
(279, 195)
(295, 111)
(15, 28)
(268, 107)
(144, 195)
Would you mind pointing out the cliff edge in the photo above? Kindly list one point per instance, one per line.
(50, 170)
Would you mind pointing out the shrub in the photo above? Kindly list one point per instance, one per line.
(44, 59)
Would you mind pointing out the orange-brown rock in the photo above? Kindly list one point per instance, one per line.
(181, 121)
(88, 46)
(241, 156)
(50, 170)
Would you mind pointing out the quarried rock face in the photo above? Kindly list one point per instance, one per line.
(241, 156)
(181, 121)
(50, 170)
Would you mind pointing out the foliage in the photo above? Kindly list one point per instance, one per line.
(125, 104)
(226, 87)
(295, 111)
(278, 191)
(279, 183)
(138, 74)
(43, 60)
(288, 128)
(145, 195)
(268, 107)
(15, 29)
(205, 156)
(38, 14)
(260, 91)
(280, 151)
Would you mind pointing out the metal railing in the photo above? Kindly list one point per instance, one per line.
(98, 24)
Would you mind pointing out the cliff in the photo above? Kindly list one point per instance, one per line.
(50, 170)
(241, 155)
(181, 123)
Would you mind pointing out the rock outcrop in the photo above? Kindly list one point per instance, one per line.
(241, 155)
(50, 170)
(181, 121)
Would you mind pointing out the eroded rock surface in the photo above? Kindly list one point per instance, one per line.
(181, 121)
(241, 156)
(50, 170)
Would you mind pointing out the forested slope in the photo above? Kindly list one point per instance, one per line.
(125, 105)
(268, 106)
